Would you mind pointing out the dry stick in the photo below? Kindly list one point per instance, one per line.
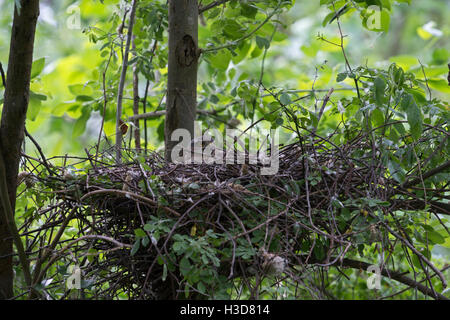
(130, 195)
(38, 147)
(9, 218)
(122, 84)
(56, 255)
(37, 274)
(325, 101)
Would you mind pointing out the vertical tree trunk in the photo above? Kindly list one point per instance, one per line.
(182, 73)
(12, 125)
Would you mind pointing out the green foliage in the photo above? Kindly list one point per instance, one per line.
(250, 71)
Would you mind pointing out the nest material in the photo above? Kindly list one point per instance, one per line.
(290, 218)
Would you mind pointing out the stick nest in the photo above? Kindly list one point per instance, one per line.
(149, 229)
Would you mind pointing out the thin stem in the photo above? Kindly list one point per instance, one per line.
(122, 84)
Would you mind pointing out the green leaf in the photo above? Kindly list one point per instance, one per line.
(435, 237)
(262, 42)
(414, 116)
(80, 89)
(385, 20)
(380, 86)
(83, 98)
(145, 241)
(80, 124)
(248, 11)
(135, 248)
(377, 117)
(396, 170)
(232, 29)
(285, 99)
(35, 105)
(220, 60)
(185, 266)
(341, 77)
(139, 232)
(213, 13)
(38, 66)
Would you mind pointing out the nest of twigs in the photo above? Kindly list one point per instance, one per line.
(324, 203)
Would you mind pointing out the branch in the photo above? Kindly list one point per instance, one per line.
(395, 276)
(211, 5)
(420, 204)
(426, 175)
(391, 274)
(156, 114)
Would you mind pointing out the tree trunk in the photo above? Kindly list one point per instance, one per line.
(12, 125)
(182, 73)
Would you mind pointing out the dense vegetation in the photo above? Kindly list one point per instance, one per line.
(356, 89)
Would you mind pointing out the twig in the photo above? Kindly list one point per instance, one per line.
(122, 84)
(211, 5)
(2, 72)
(38, 147)
(137, 134)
